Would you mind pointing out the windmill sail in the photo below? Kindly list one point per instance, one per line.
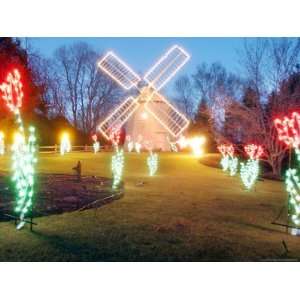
(118, 117)
(169, 117)
(166, 67)
(118, 70)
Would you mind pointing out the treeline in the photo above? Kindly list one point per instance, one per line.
(68, 91)
(240, 107)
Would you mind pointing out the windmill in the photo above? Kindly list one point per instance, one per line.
(149, 115)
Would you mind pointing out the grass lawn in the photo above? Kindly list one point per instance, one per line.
(187, 212)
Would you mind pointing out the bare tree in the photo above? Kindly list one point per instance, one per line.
(78, 88)
(268, 67)
(184, 95)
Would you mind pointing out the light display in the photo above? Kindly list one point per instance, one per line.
(293, 188)
(288, 129)
(24, 159)
(96, 144)
(138, 147)
(130, 146)
(233, 165)
(249, 172)
(228, 161)
(182, 142)
(172, 145)
(152, 162)
(117, 165)
(166, 67)
(196, 144)
(65, 144)
(254, 151)
(116, 68)
(2, 143)
(225, 162)
(24, 151)
(115, 135)
(250, 169)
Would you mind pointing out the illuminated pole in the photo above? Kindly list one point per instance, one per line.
(24, 152)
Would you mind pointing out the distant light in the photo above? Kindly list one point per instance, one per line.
(144, 116)
(196, 144)
(65, 144)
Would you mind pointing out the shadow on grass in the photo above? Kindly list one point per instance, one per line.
(69, 249)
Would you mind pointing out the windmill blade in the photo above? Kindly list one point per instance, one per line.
(119, 116)
(166, 67)
(118, 70)
(168, 116)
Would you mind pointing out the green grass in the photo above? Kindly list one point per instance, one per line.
(187, 212)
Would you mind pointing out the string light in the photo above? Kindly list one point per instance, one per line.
(228, 161)
(293, 188)
(23, 152)
(2, 144)
(254, 151)
(250, 169)
(96, 144)
(117, 165)
(12, 91)
(288, 130)
(65, 144)
(172, 145)
(152, 162)
(249, 172)
(116, 68)
(161, 72)
(138, 147)
(233, 165)
(24, 159)
(130, 146)
(196, 144)
(166, 67)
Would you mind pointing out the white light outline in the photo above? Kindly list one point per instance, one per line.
(114, 111)
(135, 100)
(159, 62)
(110, 53)
(161, 122)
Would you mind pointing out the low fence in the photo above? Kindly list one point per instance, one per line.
(56, 149)
(82, 148)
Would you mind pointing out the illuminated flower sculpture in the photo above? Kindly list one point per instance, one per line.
(152, 159)
(250, 169)
(228, 161)
(2, 144)
(24, 150)
(96, 144)
(152, 162)
(289, 133)
(117, 161)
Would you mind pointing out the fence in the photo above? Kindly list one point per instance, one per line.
(82, 148)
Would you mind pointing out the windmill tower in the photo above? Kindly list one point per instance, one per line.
(148, 117)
